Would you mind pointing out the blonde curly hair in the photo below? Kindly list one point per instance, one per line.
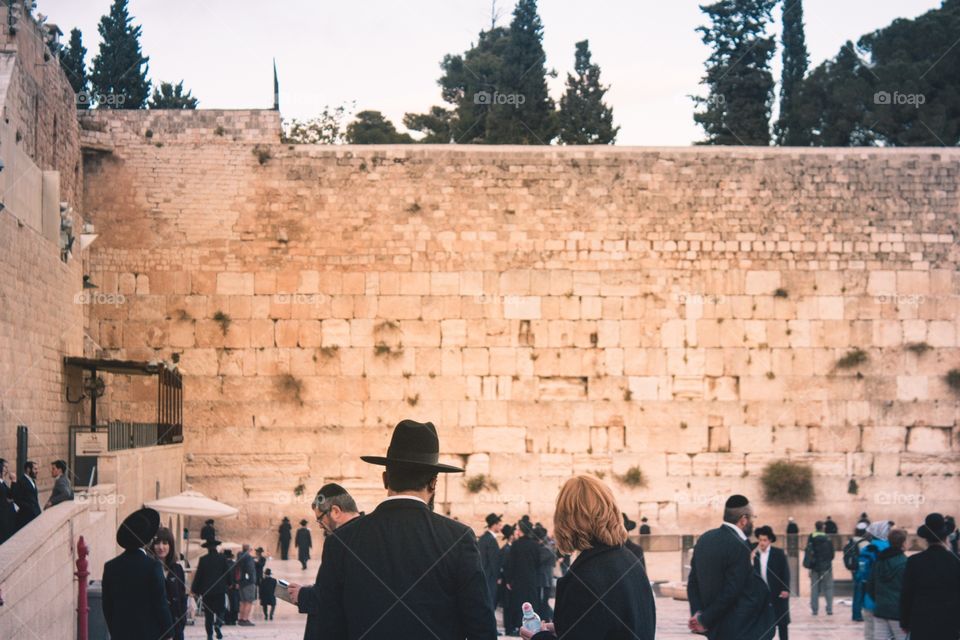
(586, 515)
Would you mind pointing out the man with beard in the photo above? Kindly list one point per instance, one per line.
(404, 571)
(490, 555)
(333, 507)
(728, 600)
(25, 495)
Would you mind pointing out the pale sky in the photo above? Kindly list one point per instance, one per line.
(385, 54)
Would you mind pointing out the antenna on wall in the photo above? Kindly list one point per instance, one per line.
(276, 87)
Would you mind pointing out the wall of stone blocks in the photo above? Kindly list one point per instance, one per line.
(552, 310)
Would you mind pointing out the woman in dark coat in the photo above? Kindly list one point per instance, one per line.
(606, 594)
(303, 543)
(930, 599)
(174, 580)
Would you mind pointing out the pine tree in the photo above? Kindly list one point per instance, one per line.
(792, 130)
(73, 65)
(171, 96)
(584, 118)
(521, 110)
(737, 109)
(835, 97)
(119, 76)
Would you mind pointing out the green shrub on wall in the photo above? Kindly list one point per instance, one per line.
(786, 482)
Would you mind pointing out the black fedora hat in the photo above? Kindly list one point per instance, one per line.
(138, 528)
(628, 524)
(765, 530)
(935, 528)
(211, 544)
(416, 445)
(493, 519)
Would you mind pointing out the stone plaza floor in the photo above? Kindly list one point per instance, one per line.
(671, 617)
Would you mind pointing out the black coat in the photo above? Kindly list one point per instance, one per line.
(210, 580)
(135, 598)
(208, 532)
(176, 586)
(25, 496)
(778, 579)
(490, 561)
(732, 599)
(606, 595)
(8, 515)
(636, 550)
(268, 591)
(930, 599)
(404, 571)
(523, 569)
(303, 543)
(308, 602)
(283, 534)
(830, 527)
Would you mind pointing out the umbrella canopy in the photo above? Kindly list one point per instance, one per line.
(193, 503)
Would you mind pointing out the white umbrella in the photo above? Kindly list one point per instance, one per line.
(193, 503)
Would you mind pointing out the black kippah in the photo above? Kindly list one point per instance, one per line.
(736, 501)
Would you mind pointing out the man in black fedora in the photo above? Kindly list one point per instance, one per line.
(404, 571)
(210, 585)
(490, 555)
(134, 596)
(930, 596)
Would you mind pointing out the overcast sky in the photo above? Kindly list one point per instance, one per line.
(385, 54)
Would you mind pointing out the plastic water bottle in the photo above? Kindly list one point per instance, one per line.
(531, 621)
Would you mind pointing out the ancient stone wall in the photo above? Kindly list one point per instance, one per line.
(552, 310)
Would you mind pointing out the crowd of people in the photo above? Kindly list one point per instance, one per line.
(20, 498)
(404, 571)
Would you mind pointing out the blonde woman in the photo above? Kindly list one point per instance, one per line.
(606, 594)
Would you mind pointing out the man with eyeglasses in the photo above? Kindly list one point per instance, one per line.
(333, 507)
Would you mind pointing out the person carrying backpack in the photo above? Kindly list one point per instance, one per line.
(884, 587)
(818, 558)
(877, 534)
(851, 561)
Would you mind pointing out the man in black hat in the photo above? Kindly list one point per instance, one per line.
(770, 563)
(210, 585)
(404, 571)
(728, 600)
(490, 554)
(523, 571)
(208, 531)
(632, 546)
(283, 538)
(930, 597)
(644, 526)
(333, 507)
(303, 542)
(134, 596)
(510, 620)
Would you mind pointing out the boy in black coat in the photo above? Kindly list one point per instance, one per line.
(268, 594)
(770, 563)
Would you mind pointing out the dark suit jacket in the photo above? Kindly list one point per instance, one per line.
(930, 599)
(135, 598)
(176, 586)
(606, 595)
(8, 515)
(523, 569)
(308, 602)
(210, 580)
(268, 591)
(303, 543)
(778, 579)
(404, 572)
(61, 490)
(25, 496)
(636, 550)
(490, 561)
(724, 588)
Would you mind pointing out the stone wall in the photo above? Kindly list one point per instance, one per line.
(552, 310)
(40, 320)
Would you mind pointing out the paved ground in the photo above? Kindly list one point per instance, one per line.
(671, 617)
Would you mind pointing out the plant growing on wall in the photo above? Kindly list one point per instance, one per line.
(633, 477)
(299, 489)
(852, 487)
(953, 379)
(919, 348)
(262, 153)
(224, 320)
(291, 386)
(786, 482)
(853, 358)
(480, 482)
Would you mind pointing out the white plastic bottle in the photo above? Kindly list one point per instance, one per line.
(531, 621)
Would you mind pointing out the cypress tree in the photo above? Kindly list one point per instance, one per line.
(119, 76)
(737, 109)
(584, 118)
(73, 65)
(791, 128)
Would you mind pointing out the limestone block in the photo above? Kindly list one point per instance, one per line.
(938, 464)
(747, 438)
(400, 307)
(499, 440)
(240, 284)
(928, 439)
(910, 388)
(521, 307)
(761, 282)
(310, 333)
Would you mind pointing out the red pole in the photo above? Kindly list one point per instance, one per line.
(82, 604)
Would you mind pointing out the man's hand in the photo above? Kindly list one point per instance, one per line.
(294, 589)
(527, 634)
(784, 595)
(695, 625)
